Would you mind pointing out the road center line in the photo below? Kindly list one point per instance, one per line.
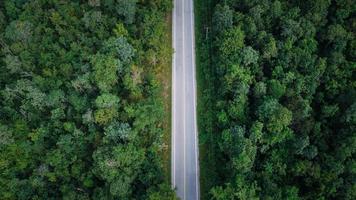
(184, 95)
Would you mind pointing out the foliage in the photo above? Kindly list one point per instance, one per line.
(284, 74)
(80, 108)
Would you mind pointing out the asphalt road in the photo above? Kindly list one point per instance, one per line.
(185, 166)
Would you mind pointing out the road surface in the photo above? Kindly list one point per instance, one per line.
(185, 166)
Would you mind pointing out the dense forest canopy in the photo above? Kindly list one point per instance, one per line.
(80, 101)
(284, 99)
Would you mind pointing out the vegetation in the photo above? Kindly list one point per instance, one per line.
(81, 106)
(283, 112)
(206, 97)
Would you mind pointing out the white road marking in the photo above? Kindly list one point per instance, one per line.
(184, 136)
(195, 100)
(173, 97)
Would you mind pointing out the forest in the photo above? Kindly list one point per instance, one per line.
(277, 89)
(81, 106)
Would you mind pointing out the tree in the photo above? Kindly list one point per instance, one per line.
(123, 8)
(19, 31)
(118, 165)
(106, 70)
(107, 100)
(270, 48)
(6, 137)
(164, 193)
(118, 132)
(119, 48)
(276, 89)
(223, 18)
(249, 56)
(232, 43)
